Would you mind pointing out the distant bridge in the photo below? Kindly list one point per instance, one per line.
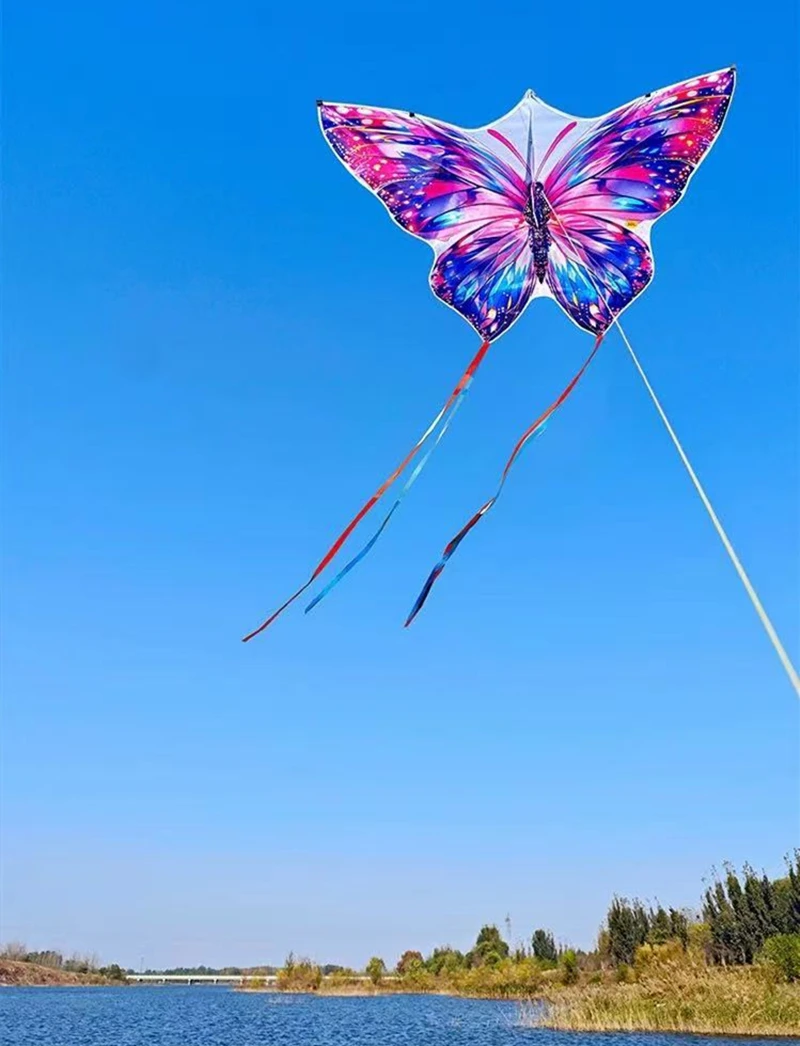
(268, 980)
(199, 978)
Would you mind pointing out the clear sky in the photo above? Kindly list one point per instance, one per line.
(217, 343)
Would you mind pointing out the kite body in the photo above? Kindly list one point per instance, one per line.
(537, 204)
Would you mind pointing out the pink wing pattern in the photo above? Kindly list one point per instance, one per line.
(497, 233)
(441, 184)
(626, 172)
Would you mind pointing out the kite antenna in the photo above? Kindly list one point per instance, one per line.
(758, 606)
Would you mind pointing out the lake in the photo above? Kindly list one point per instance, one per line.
(207, 1016)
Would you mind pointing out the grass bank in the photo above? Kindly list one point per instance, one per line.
(668, 988)
(676, 994)
(32, 974)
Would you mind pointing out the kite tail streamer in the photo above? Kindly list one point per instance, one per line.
(408, 485)
(455, 395)
(530, 433)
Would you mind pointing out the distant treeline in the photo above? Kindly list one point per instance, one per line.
(213, 971)
(739, 914)
(743, 918)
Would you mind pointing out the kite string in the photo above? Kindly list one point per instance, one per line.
(758, 606)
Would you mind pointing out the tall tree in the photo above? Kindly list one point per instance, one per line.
(679, 927)
(743, 913)
(660, 928)
(544, 946)
(794, 894)
(628, 926)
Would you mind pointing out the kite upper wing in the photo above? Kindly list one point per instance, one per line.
(443, 185)
(623, 174)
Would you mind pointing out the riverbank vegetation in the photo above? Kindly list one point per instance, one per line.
(669, 989)
(731, 967)
(20, 966)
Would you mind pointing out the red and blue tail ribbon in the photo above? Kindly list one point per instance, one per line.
(408, 485)
(530, 433)
(446, 412)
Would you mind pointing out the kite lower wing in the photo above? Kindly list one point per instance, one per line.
(487, 275)
(596, 268)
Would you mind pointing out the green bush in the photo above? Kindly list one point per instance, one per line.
(569, 967)
(299, 975)
(409, 962)
(782, 954)
(490, 948)
(445, 959)
(114, 972)
(375, 970)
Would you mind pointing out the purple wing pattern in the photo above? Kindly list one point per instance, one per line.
(629, 169)
(442, 185)
(487, 275)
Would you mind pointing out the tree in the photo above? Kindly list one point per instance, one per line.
(375, 970)
(628, 926)
(408, 962)
(743, 913)
(114, 972)
(660, 928)
(722, 925)
(489, 949)
(793, 907)
(679, 927)
(445, 959)
(544, 946)
(641, 919)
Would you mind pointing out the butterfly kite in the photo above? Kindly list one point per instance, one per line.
(537, 204)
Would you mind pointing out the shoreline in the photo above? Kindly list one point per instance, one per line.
(673, 1000)
(670, 996)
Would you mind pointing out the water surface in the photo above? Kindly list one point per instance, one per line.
(207, 1016)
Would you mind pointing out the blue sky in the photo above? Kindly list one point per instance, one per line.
(217, 343)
